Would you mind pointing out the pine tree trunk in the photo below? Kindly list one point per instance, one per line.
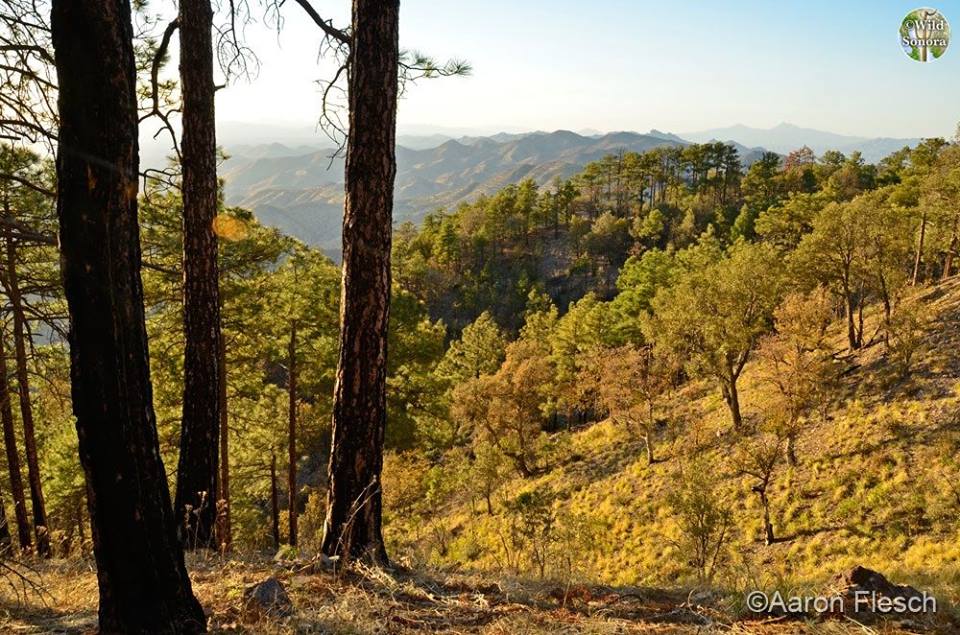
(223, 500)
(12, 287)
(354, 499)
(274, 502)
(292, 432)
(144, 587)
(199, 438)
(13, 456)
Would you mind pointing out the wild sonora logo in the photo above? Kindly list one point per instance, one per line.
(924, 34)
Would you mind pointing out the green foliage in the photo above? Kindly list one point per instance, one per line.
(703, 523)
(714, 315)
(638, 283)
(479, 351)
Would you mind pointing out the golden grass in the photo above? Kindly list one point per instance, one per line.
(874, 487)
(375, 601)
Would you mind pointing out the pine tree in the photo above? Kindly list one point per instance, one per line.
(143, 582)
(354, 499)
(197, 475)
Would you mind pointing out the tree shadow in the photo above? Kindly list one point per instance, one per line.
(46, 619)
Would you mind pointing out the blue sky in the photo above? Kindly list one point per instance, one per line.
(619, 64)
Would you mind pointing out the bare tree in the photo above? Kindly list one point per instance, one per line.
(633, 382)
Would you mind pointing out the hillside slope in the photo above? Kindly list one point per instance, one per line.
(876, 484)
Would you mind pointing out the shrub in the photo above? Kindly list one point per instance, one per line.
(704, 524)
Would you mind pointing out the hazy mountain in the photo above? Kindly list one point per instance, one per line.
(786, 137)
(267, 150)
(422, 142)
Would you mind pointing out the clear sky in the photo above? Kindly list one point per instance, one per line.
(634, 65)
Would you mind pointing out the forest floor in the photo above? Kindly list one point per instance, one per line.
(64, 600)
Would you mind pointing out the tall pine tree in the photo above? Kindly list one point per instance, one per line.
(354, 499)
(143, 583)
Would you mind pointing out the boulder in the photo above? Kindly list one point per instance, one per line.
(868, 594)
(266, 599)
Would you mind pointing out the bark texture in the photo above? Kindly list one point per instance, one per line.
(13, 456)
(196, 496)
(143, 583)
(11, 283)
(352, 528)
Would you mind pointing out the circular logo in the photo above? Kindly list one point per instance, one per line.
(924, 34)
(757, 602)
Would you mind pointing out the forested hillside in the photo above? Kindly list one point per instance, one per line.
(302, 194)
(583, 368)
(609, 383)
(299, 190)
(636, 254)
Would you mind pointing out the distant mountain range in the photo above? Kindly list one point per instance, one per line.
(299, 188)
(786, 137)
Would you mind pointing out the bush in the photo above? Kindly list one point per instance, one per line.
(704, 524)
(905, 336)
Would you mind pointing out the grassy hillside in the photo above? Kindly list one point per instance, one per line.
(876, 484)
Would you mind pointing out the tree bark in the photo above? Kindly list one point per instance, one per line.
(13, 456)
(352, 528)
(728, 387)
(292, 432)
(223, 499)
(768, 536)
(144, 587)
(11, 284)
(853, 339)
(196, 496)
(792, 448)
(648, 442)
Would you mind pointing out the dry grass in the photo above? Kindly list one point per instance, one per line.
(876, 484)
(375, 601)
